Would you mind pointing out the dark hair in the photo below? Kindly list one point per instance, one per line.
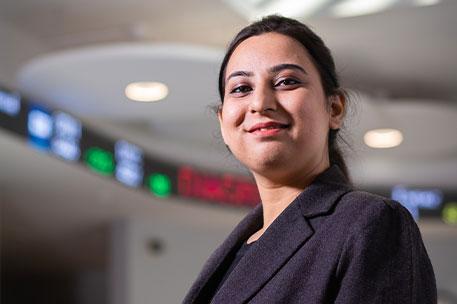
(320, 56)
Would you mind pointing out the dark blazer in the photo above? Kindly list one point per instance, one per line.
(330, 245)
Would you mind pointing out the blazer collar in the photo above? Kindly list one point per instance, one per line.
(289, 231)
(320, 196)
(272, 250)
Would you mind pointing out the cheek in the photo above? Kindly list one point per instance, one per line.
(313, 123)
(230, 121)
(232, 116)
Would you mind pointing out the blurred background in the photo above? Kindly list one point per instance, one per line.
(104, 199)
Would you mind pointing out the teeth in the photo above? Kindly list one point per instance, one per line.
(269, 128)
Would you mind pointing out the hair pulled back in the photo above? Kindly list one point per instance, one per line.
(320, 56)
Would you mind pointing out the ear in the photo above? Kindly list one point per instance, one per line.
(337, 110)
(219, 116)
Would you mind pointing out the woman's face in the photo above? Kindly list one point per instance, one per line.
(275, 117)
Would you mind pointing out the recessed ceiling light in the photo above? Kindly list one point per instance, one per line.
(255, 9)
(146, 91)
(351, 8)
(427, 2)
(383, 138)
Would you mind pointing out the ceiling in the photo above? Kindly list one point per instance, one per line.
(401, 52)
(78, 55)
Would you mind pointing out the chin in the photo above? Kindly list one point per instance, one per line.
(267, 161)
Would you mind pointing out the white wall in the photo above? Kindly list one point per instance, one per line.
(440, 241)
(139, 277)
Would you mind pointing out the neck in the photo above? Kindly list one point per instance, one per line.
(277, 194)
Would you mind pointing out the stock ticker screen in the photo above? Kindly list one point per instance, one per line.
(63, 136)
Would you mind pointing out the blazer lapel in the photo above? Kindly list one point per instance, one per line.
(282, 239)
(250, 224)
(284, 236)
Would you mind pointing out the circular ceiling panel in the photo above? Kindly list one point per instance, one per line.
(90, 82)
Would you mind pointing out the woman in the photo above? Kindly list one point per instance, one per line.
(313, 239)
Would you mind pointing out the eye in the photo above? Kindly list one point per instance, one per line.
(287, 82)
(242, 89)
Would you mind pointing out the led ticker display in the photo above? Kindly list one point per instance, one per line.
(10, 103)
(159, 184)
(449, 213)
(99, 160)
(40, 127)
(13, 112)
(417, 199)
(67, 134)
(129, 163)
(224, 188)
(58, 131)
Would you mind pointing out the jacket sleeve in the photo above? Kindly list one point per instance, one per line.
(384, 259)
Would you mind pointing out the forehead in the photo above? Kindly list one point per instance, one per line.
(269, 49)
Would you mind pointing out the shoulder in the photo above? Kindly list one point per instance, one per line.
(374, 223)
(368, 206)
(375, 220)
(383, 242)
(365, 200)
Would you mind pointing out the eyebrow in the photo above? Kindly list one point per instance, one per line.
(287, 66)
(274, 69)
(239, 73)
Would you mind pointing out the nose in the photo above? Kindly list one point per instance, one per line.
(263, 99)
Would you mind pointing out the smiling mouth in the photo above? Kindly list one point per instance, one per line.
(269, 126)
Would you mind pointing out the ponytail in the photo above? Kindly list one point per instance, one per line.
(335, 154)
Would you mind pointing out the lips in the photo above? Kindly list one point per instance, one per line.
(271, 125)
